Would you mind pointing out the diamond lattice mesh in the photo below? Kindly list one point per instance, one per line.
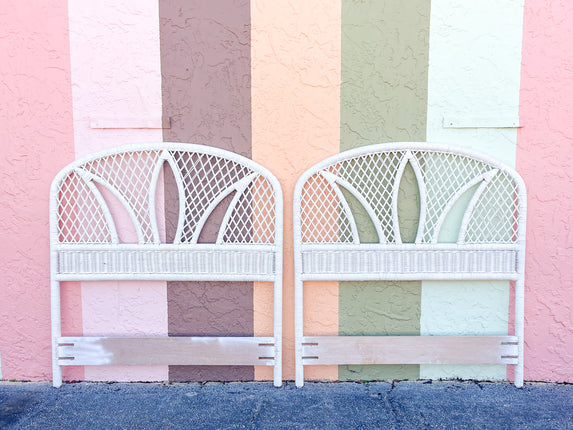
(443, 176)
(130, 174)
(80, 217)
(322, 217)
(495, 216)
(252, 219)
(205, 177)
(373, 176)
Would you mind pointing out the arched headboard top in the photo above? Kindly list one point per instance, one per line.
(204, 178)
(368, 180)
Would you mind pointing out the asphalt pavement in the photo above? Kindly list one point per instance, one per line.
(259, 405)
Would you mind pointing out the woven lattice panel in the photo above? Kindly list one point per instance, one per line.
(252, 219)
(442, 177)
(129, 174)
(322, 213)
(206, 181)
(81, 219)
(495, 213)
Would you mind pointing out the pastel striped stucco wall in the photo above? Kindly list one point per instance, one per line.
(116, 87)
(286, 86)
(476, 49)
(296, 117)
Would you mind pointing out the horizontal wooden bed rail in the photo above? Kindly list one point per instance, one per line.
(356, 350)
(239, 351)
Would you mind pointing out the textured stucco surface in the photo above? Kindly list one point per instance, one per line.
(383, 93)
(205, 67)
(474, 63)
(115, 70)
(544, 158)
(36, 140)
(116, 74)
(206, 76)
(474, 69)
(379, 308)
(210, 308)
(475, 56)
(296, 119)
(383, 98)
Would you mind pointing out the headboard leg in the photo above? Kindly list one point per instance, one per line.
(56, 332)
(519, 329)
(298, 317)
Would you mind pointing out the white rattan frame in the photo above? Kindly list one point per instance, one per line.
(490, 245)
(85, 246)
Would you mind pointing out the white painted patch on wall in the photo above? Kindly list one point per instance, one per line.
(133, 123)
(480, 121)
(474, 72)
(473, 101)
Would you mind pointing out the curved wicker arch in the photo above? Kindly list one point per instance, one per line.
(481, 180)
(333, 180)
(137, 224)
(110, 224)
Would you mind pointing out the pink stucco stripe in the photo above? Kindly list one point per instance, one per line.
(115, 69)
(544, 159)
(36, 140)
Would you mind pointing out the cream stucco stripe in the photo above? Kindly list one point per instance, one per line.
(473, 96)
(295, 122)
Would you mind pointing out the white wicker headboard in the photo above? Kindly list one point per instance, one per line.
(87, 245)
(489, 242)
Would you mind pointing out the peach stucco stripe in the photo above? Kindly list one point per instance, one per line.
(295, 95)
(544, 159)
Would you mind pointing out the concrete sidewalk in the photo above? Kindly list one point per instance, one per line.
(252, 405)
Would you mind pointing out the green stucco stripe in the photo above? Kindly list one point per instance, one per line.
(385, 46)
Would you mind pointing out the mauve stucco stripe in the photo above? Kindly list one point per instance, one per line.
(205, 66)
(383, 98)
